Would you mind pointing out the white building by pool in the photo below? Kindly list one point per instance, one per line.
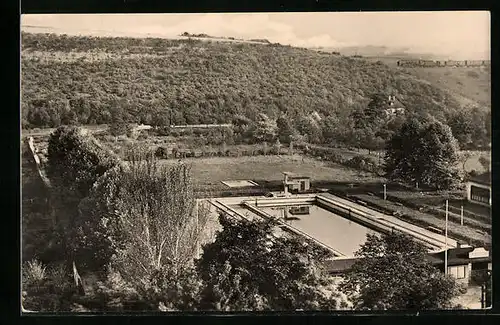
(479, 189)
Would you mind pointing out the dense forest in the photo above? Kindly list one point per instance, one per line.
(85, 80)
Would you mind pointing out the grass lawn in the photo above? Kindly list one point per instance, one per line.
(217, 169)
(426, 219)
(470, 209)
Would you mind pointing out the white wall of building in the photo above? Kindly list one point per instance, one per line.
(469, 186)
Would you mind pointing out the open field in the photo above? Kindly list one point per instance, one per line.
(214, 170)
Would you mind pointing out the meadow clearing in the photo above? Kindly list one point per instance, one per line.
(217, 169)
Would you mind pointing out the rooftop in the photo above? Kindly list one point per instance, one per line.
(456, 256)
(295, 176)
(484, 178)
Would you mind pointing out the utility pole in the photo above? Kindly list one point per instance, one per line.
(446, 241)
(462, 215)
(385, 192)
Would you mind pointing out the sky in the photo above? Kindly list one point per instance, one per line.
(457, 34)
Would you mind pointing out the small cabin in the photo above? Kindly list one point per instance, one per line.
(293, 183)
(462, 260)
(395, 107)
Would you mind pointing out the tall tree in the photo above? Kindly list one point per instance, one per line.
(439, 157)
(154, 222)
(119, 124)
(379, 102)
(393, 273)
(461, 126)
(425, 153)
(265, 129)
(372, 115)
(330, 129)
(246, 268)
(75, 162)
(310, 127)
(285, 129)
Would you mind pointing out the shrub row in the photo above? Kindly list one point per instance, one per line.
(164, 153)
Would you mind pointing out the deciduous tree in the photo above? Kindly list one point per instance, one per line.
(462, 128)
(246, 268)
(285, 128)
(425, 153)
(75, 162)
(154, 222)
(265, 129)
(393, 273)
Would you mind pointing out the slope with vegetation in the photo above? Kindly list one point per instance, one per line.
(469, 85)
(191, 81)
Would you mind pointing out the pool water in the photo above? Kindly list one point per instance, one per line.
(340, 233)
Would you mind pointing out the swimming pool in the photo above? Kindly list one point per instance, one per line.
(344, 235)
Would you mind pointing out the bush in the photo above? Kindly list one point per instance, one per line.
(142, 136)
(161, 153)
(33, 272)
(336, 158)
(363, 163)
(163, 131)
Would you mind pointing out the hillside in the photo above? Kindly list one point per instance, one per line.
(470, 86)
(80, 80)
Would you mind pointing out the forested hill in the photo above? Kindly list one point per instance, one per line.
(81, 80)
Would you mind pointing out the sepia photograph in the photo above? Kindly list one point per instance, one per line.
(255, 162)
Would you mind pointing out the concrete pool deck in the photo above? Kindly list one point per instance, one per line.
(252, 207)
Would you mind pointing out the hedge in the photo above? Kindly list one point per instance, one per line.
(162, 152)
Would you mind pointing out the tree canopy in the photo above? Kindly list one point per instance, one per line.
(75, 162)
(426, 153)
(196, 81)
(246, 268)
(393, 273)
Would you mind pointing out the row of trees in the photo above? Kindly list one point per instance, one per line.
(419, 149)
(367, 127)
(139, 227)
